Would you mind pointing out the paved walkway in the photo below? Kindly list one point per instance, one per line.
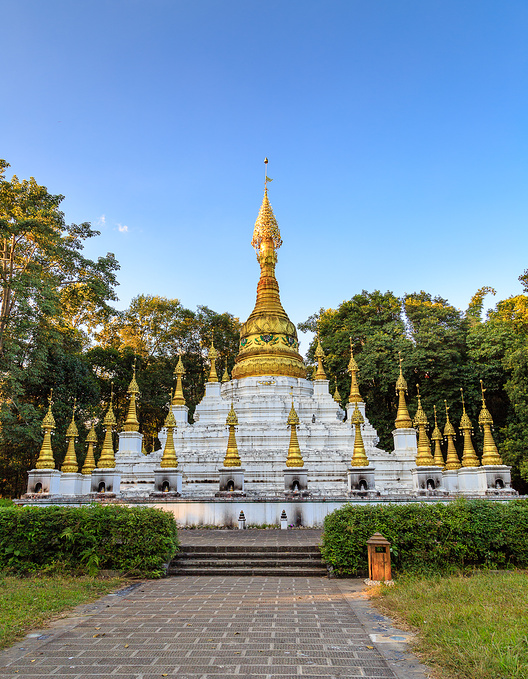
(216, 626)
(254, 537)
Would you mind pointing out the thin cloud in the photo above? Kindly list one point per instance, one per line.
(101, 221)
(123, 228)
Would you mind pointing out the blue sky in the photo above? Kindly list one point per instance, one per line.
(397, 134)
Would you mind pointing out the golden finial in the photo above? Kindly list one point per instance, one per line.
(179, 371)
(353, 369)
(107, 459)
(232, 458)
(452, 460)
(423, 454)
(131, 422)
(436, 436)
(169, 459)
(70, 465)
(225, 376)
(319, 355)
(403, 419)
(490, 453)
(294, 458)
(469, 456)
(213, 355)
(266, 226)
(45, 459)
(359, 456)
(337, 395)
(89, 460)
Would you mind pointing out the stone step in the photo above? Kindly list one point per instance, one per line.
(302, 561)
(283, 571)
(270, 556)
(249, 563)
(304, 549)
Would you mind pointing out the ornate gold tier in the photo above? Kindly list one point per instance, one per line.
(268, 339)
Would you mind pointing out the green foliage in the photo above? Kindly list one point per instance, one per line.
(84, 540)
(433, 538)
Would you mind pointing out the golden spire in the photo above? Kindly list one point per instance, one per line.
(469, 456)
(337, 395)
(403, 419)
(169, 459)
(131, 422)
(437, 438)
(213, 355)
(423, 456)
(452, 461)
(232, 458)
(359, 456)
(319, 355)
(143, 447)
(490, 453)
(268, 339)
(89, 461)
(45, 458)
(179, 371)
(107, 459)
(70, 465)
(294, 458)
(225, 376)
(354, 396)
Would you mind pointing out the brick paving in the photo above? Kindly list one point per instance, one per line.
(205, 627)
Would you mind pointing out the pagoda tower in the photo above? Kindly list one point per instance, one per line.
(268, 339)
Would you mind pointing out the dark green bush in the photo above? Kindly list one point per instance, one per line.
(133, 541)
(430, 537)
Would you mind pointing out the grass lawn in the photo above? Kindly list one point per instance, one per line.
(472, 627)
(27, 603)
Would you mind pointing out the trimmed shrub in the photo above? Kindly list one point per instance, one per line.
(430, 538)
(132, 541)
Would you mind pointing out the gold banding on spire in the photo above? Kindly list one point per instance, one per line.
(89, 460)
(131, 422)
(423, 455)
(213, 355)
(45, 458)
(337, 395)
(353, 369)
(169, 459)
(490, 453)
(294, 458)
(107, 459)
(436, 437)
(403, 419)
(232, 458)
(319, 355)
(469, 456)
(359, 456)
(70, 464)
(179, 372)
(452, 460)
(268, 339)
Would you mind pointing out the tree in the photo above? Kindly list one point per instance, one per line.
(42, 270)
(51, 299)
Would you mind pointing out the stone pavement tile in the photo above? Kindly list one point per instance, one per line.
(200, 628)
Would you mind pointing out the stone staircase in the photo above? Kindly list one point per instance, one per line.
(286, 560)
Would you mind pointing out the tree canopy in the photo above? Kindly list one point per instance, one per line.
(59, 330)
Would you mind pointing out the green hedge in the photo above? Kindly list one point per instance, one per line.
(132, 541)
(430, 537)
